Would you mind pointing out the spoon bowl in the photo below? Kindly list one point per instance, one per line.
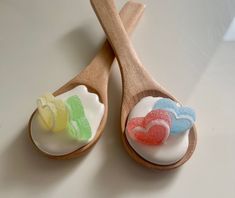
(88, 146)
(127, 107)
(130, 99)
(95, 78)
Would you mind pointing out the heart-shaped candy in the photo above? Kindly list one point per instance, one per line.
(182, 117)
(153, 129)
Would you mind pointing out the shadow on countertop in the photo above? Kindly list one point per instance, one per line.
(25, 167)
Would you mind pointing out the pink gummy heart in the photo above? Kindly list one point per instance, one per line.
(153, 129)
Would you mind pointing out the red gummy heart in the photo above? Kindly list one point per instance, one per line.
(153, 129)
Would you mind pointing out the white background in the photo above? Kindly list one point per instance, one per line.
(45, 43)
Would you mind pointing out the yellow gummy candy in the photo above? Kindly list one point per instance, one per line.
(61, 117)
(53, 112)
(47, 110)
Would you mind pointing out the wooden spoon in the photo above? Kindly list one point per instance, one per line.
(137, 83)
(95, 77)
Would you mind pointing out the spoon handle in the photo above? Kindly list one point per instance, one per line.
(96, 74)
(129, 15)
(134, 76)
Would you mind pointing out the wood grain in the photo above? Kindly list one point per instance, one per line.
(95, 76)
(137, 83)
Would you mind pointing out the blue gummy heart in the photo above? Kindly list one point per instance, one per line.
(182, 117)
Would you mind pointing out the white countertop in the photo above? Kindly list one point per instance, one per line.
(186, 45)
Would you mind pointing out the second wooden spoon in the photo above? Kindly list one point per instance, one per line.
(137, 83)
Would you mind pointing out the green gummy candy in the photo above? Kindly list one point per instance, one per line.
(78, 125)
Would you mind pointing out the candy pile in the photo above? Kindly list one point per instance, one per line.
(59, 116)
(166, 118)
